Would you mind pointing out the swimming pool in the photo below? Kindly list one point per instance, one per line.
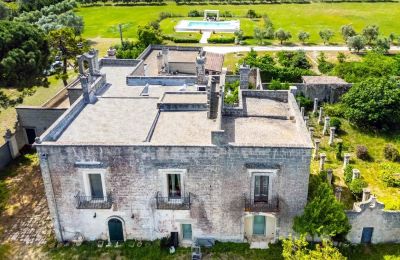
(217, 26)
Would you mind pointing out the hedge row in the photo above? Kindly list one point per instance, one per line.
(221, 39)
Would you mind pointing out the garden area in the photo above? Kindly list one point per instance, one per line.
(294, 18)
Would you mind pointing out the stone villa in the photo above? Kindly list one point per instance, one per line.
(150, 150)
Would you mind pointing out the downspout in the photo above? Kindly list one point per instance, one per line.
(44, 166)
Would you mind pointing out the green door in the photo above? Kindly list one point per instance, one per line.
(115, 230)
(187, 231)
(259, 225)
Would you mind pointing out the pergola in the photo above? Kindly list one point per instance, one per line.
(206, 12)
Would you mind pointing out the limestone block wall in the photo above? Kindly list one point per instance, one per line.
(182, 67)
(371, 213)
(38, 118)
(160, 80)
(324, 92)
(216, 177)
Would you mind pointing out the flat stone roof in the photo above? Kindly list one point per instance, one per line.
(266, 107)
(262, 131)
(183, 128)
(185, 98)
(323, 80)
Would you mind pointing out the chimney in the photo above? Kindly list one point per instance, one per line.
(201, 69)
(164, 52)
(212, 98)
(159, 62)
(244, 72)
(85, 88)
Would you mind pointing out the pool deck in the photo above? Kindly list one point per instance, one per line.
(231, 26)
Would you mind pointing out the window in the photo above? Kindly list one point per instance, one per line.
(96, 186)
(174, 186)
(261, 184)
(187, 231)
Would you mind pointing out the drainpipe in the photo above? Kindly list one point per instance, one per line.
(48, 184)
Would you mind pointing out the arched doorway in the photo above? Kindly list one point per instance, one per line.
(115, 230)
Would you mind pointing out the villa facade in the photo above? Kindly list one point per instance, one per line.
(147, 152)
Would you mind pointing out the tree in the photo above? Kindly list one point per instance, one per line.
(356, 43)
(323, 215)
(382, 45)
(323, 65)
(392, 37)
(24, 54)
(347, 31)
(66, 45)
(297, 249)
(326, 35)
(374, 103)
(303, 36)
(282, 35)
(371, 33)
(149, 35)
(4, 11)
(341, 57)
(259, 35)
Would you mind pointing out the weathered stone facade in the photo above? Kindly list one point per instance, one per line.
(216, 177)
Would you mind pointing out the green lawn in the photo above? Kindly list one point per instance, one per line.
(102, 21)
(41, 94)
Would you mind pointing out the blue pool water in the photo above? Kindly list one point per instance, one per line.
(205, 24)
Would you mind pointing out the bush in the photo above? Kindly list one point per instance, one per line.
(348, 174)
(339, 150)
(195, 13)
(356, 187)
(185, 40)
(213, 39)
(374, 103)
(390, 178)
(278, 85)
(294, 59)
(231, 95)
(252, 14)
(334, 110)
(362, 152)
(304, 102)
(335, 122)
(391, 153)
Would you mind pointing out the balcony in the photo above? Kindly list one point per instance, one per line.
(89, 202)
(251, 205)
(179, 203)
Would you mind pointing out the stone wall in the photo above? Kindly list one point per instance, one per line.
(324, 92)
(215, 176)
(182, 67)
(74, 94)
(38, 118)
(5, 155)
(371, 213)
(119, 62)
(161, 80)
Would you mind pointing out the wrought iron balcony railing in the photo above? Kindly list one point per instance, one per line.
(174, 203)
(89, 202)
(251, 205)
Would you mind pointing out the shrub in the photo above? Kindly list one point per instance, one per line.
(362, 152)
(348, 174)
(195, 13)
(294, 59)
(391, 153)
(304, 102)
(339, 150)
(335, 122)
(390, 178)
(334, 110)
(278, 85)
(374, 103)
(231, 93)
(213, 39)
(356, 187)
(252, 14)
(323, 65)
(184, 40)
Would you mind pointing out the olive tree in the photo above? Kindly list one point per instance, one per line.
(347, 31)
(303, 36)
(371, 33)
(326, 35)
(356, 43)
(282, 35)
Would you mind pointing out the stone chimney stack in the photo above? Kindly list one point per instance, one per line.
(244, 72)
(85, 88)
(159, 62)
(201, 69)
(212, 98)
(165, 54)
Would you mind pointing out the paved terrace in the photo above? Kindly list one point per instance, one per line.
(122, 115)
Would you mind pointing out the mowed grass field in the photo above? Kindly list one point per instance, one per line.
(102, 21)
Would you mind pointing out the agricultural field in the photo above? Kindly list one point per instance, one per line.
(102, 21)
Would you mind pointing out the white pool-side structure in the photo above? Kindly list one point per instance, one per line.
(216, 26)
